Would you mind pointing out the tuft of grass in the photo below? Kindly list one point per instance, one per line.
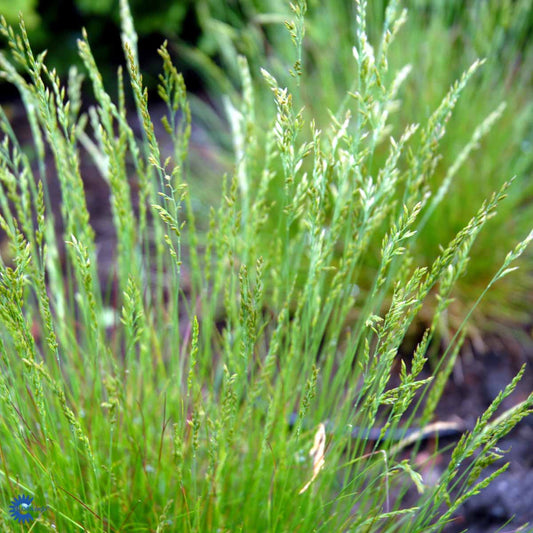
(169, 406)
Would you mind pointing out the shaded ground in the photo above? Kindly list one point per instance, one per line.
(508, 501)
(505, 504)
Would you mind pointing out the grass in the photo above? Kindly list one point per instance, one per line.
(168, 405)
(483, 144)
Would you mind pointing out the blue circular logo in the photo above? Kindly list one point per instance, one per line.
(19, 508)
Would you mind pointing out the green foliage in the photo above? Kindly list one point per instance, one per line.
(57, 25)
(151, 17)
(10, 10)
(168, 407)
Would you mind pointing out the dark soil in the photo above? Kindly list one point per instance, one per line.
(507, 503)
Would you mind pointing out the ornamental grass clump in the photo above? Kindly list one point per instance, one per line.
(217, 386)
